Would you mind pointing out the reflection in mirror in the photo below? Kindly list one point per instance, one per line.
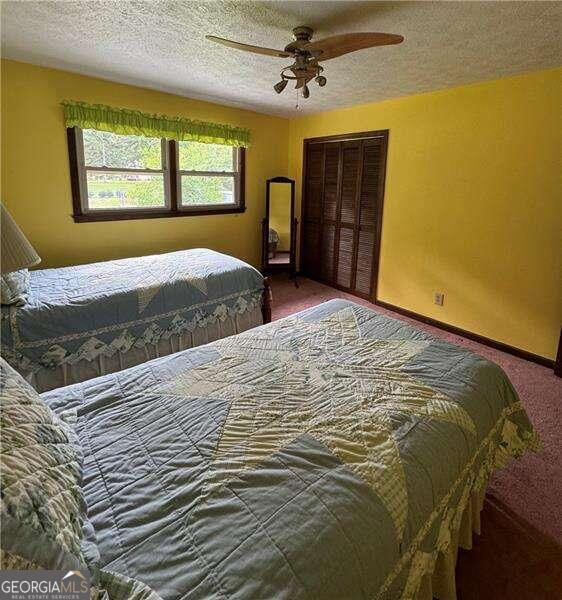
(279, 246)
(279, 228)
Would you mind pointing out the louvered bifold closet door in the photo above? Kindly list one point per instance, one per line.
(312, 211)
(332, 174)
(342, 210)
(347, 213)
(367, 215)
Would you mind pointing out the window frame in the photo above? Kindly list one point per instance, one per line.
(172, 185)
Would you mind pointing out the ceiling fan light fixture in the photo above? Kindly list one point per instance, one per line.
(280, 86)
(308, 53)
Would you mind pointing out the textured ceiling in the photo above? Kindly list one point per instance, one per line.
(161, 45)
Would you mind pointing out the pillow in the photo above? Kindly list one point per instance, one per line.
(43, 507)
(15, 287)
(43, 513)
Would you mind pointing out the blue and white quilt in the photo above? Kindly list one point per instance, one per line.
(331, 455)
(83, 312)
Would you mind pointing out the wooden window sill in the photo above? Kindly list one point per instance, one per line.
(126, 215)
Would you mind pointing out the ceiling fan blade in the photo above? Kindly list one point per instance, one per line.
(248, 48)
(337, 45)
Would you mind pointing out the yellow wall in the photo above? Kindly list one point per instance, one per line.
(36, 183)
(280, 213)
(473, 204)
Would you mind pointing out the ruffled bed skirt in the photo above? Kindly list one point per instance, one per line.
(440, 583)
(432, 574)
(46, 379)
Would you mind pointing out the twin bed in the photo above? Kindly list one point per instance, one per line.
(335, 453)
(88, 320)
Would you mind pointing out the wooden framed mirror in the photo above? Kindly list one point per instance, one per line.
(279, 227)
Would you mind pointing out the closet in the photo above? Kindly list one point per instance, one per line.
(343, 188)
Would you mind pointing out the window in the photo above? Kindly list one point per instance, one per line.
(132, 177)
(207, 173)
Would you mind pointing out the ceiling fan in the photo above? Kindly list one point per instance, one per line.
(308, 54)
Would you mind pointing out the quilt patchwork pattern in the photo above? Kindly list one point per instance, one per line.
(318, 456)
(327, 381)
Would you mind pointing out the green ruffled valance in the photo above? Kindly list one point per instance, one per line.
(135, 122)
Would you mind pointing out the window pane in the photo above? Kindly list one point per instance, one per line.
(105, 149)
(196, 190)
(125, 190)
(205, 157)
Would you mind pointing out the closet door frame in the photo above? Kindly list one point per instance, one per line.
(381, 135)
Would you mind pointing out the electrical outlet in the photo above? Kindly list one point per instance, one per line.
(438, 298)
